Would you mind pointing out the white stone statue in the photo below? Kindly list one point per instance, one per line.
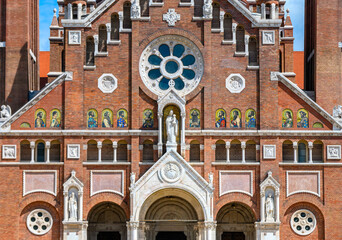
(337, 112)
(135, 10)
(72, 207)
(208, 9)
(171, 128)
(5, 112)
(132, 178)
(269, 205)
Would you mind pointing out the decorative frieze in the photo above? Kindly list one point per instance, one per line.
(73, 151)
(269, 151)
(9, 152)
(334, 152)
(74, 37)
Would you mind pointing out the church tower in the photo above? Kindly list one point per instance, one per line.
(19, 51)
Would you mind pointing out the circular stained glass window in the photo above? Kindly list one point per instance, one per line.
(39, 222)
(303, 222)
(171, 62)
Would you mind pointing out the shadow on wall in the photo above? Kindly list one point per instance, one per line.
(18, 93)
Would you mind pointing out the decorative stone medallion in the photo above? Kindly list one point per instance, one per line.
(334, 152)
(73, 151)
(268, 37)
(269, 152)
(74, 37)
(171, 17)
(235, 83)
(9, 152)
(303, 222)
(171, 62)
(107, 83)
(39, 222)
(171, 172)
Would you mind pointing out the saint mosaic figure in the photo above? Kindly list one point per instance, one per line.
(220, 118)
(107, 118)
(148, 119)
(287, 119)
(92, 118)
(171, 128)
(302, 119)
(39, 122)
(235, 119)
(55, 121)
(250, 118)
(72, 207)
(269, 206)
(122, 118)
(195, 118)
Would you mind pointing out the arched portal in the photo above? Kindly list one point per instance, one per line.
(235, 221)
(107, 221)
(172, 214)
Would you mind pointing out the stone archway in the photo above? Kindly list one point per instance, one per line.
(235, 221)
(107, 221)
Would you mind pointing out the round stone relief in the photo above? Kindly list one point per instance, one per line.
(303, 222)
(171, 172)
(107, 83)
(39, 222)
(235, 83)
(171, 62)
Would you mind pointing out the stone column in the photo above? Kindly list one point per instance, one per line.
(80, 206)
(183, 147)
(247, 44)
(263, 11)
(65, 206)
(310, 146)
(228, 148)
(262, 206)
(47, 147)
(295, 148)
(222, 21)
(69, 11)
(32, 145)
(108, 27)
(99, 147)
(79, 11)
(210, 230)
(276, 194)
(121, 21)
(132, 228)
(243, 146)
(234, 32)
(273, 11)
(115, 148)
(160, 134)
(96, 42)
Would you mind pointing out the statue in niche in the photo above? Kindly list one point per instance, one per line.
(269, 208)
(72, 207)
(171, 128)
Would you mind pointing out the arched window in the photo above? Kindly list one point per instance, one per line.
(268, 11)
(253, 52)
(288, 152)
(195, 151)
(102, 38)
(122, 151)
(107, 153)
(250, 154)
(228, 27)
(115, 26)
(144, 8)
(127, 23)
(220, 151)
(235, 151)
(40, 152)
(198, 8)
(90, 50)
(92, 151)
(55, 151)
(74, 11)
(317, 151)
(240, 39)
(148, 151)
(25, 151)
(302, 151)
(215, 22)
(185, 1)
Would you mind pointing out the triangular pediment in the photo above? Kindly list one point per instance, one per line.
(269, 182)
(171, 97)
(73, 181)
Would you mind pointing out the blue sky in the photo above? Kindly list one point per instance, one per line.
(296, 12)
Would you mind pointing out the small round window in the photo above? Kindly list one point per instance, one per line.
(39, 222)
(171, 62)
(303, 222)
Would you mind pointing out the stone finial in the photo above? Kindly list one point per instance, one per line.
(269, 173)
(288, 11)
(73, 173)
(54, 11)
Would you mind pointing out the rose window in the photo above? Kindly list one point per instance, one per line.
(171, 62)
(39, 221)
(303, 222)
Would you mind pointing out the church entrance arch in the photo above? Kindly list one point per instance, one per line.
(235, 221)
(107, 221)
(171, 214)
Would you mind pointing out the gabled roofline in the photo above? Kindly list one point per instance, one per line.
(48, 88)
(300, 93)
